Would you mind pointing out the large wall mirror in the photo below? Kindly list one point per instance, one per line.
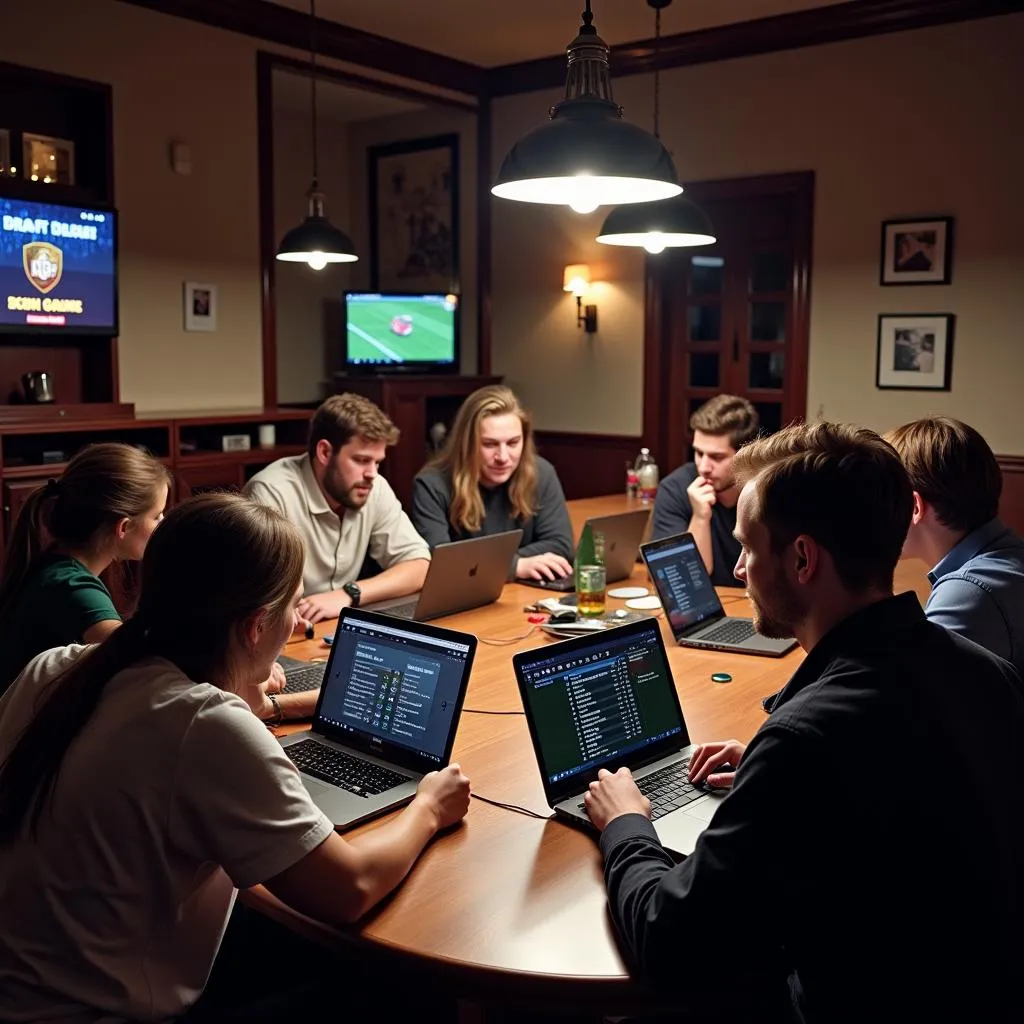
(399, 170)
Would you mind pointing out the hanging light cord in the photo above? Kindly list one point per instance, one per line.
(588, 15)
(657, 75)
(312, 87)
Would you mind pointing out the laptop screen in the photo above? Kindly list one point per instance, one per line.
(400, 685)
(686, 591)
(600, 701)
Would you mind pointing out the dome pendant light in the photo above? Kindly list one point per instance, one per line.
(586, 156)
(673, 223)
(316, 241)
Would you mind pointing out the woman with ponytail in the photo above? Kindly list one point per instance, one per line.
(102, 510)
(138, 791)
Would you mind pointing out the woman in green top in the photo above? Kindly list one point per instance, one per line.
(103, 509)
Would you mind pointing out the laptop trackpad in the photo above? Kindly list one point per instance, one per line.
(705, 808)
(679, 830)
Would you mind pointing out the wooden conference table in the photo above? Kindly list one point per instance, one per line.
(509, 907)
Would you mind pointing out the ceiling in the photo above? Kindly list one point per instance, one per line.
(338, 103)
(494, 32)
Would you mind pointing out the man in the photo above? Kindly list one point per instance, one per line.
(977, 563)
(344, 510)
(700, 497)
(868, 863)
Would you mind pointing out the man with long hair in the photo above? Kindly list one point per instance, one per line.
(867, 863)
(489, 478)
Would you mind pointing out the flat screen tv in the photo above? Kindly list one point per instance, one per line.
(396, 331)
(58, 268)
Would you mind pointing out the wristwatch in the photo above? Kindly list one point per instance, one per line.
(278, 716)
(353, 591)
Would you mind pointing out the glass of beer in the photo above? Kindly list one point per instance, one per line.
(590, 582)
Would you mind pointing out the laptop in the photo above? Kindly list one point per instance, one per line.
(462, 575)
(300, 676)
(387, 714)
(608, 700)
(622, 534)
(693, 609)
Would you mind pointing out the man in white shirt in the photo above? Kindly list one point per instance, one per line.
(345, 510)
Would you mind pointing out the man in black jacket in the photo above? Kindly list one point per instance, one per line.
(870, 857)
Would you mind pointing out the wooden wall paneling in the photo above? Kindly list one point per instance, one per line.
(62, 362)
(588, 465)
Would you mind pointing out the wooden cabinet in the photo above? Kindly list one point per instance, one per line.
(414, 404)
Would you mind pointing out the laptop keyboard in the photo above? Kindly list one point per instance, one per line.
(734, 631)
(343, 770)
(299, 680)
(668, 789)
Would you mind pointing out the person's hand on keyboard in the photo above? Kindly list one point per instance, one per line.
(317, 607)
(715, 763)
(276, 681)
(546, 566)
(446, 794)
(611, 796)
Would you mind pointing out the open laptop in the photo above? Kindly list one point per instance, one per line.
(462, 575)
(694, 611)
(387, 714)
(622, 534)
(608, 700)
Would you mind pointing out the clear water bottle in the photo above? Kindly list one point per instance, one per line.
(646, 476)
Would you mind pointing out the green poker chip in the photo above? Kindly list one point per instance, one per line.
(721, 677)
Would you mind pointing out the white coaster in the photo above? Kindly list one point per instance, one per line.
(644, 603)
(628, 592)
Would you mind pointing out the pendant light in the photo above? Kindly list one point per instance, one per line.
(672, 223)
(316, 241)
(586, 156)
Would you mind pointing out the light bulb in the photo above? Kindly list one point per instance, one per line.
(654, 242)
(317, 260)
(584, 195)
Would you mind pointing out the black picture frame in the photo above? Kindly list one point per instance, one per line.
(414, 215)
(915, 351)
(916, 251)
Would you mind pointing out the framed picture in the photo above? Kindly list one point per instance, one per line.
(200, 307)
(414, 215)
(915, 351)
(48, 160)
(917, 251)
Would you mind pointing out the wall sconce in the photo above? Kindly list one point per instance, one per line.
(577, 280)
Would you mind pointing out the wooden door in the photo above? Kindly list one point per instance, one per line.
(731, 317)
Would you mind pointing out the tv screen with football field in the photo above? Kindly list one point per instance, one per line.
(393, 330)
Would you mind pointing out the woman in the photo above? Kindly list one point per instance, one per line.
(137, 790)
(488, 479)
(103, 509)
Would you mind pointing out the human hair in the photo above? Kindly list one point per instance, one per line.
(102, 484)
(953, 469)
(342, 417)
(842, 485)
(216, 560)
(727, 414)
(460, 458)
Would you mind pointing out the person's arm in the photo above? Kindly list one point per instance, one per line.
(736, 873)
(99, 631)
(552, 529)
(968, 609)
(430, 507)
(83, 612)
(341, 880)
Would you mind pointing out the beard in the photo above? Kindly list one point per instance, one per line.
(778, 610)
(347, 497)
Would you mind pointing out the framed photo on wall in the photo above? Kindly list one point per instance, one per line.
(915, 351)
(917, 251)
(200, 307)
(47, 159)
(414, 215)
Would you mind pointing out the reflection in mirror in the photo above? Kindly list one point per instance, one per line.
(309, 304)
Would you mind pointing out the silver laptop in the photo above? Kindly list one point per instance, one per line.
(387, 714)
(693, 609)
(608, 700)
(462, 575)
(622, 533)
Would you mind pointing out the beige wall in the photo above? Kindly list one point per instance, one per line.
(307, 337)
(914, 123)
(432, 120)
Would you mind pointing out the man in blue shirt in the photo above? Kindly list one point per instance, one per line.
(978, 563)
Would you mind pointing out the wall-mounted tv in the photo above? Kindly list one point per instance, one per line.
(58, 268)
(396, 331)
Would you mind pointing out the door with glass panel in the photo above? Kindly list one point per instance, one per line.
(731, 317)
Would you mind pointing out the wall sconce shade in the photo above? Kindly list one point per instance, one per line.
(576, 279)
